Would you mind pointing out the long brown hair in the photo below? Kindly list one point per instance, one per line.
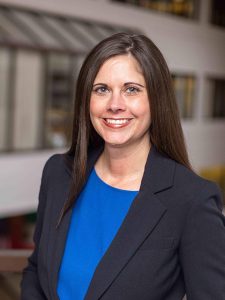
(165, 130)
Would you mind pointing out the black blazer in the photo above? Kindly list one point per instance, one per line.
(171, 242)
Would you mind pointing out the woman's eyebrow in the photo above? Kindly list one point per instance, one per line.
(104, 84)
(128, 83)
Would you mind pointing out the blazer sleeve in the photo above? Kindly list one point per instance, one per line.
(202, 248)
(30, 286)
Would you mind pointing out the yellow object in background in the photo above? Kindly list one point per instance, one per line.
(217, 174)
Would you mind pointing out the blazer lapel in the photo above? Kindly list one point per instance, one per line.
(143, 215)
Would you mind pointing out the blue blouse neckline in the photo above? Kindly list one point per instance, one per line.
(110, 186)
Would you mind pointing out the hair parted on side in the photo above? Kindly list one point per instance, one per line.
(165, 131)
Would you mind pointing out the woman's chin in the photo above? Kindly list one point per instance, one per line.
(118, 143)
(115, 143)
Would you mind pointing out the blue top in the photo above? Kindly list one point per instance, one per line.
(96, 218)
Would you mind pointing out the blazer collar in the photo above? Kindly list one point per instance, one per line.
(159, 171)
(143, 215)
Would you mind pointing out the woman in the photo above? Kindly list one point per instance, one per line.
(121, 215)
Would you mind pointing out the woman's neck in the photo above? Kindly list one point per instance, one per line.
(123, 166)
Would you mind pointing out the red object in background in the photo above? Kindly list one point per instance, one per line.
(5, 241)
(15, 232)
(19, 233)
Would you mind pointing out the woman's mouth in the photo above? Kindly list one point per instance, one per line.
(117, 123)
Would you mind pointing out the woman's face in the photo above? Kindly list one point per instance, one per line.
(119, 104)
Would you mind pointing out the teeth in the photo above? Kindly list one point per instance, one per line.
(119, 122)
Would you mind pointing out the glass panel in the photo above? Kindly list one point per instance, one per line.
(219, 99)
(184, 86)
(4, 101)
(40, 113)
(218, 12)
(183, 8)
(214, 105)
(59, 101)
(27, 100)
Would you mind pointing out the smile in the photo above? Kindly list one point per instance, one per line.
(116, 123)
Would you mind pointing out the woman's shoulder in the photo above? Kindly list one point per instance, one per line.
(188, 175)
(186, 189)
(191, 183)
(54, 161)
(56, 165)
(181, 177)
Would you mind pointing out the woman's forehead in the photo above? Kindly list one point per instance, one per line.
(120, 67)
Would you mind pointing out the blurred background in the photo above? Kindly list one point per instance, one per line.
(42, 46)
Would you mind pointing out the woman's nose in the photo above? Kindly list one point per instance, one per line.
(116, 102)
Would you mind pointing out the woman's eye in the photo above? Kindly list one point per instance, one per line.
(101, 90)
(132, 90)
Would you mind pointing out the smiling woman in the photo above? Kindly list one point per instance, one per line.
(122, 215)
